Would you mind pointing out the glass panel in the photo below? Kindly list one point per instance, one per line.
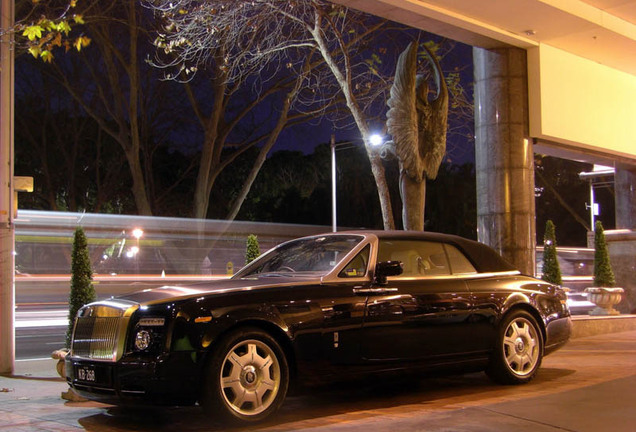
(458, 262)
(418, 258)
(314, 254)
(357, 267)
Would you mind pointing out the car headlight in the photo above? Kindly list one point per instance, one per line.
(142, 340)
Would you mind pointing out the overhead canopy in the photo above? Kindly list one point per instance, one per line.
(581, 62)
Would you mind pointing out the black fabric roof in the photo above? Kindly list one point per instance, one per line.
(483, 257)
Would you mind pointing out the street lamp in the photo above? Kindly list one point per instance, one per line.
(137, 233)
(375, 140)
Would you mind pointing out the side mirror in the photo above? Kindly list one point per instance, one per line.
(385, 269)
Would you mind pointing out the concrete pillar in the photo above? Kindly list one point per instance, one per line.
(7, 233)
(625, 189)
(504, 156)
(622, 241)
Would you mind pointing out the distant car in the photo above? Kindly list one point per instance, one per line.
(318, 308)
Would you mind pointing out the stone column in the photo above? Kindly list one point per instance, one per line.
(625, 189)
(7, 233)
(504, 156)
(622, 241)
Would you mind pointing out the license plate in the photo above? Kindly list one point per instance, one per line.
(85, 373)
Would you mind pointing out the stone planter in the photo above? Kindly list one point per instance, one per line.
(68, 395)
(605, 299)
(60, 355)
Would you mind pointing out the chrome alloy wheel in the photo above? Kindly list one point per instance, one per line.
(522, 348)
(250, 377)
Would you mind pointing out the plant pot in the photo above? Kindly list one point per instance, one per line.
(605, 299)
(60, 355)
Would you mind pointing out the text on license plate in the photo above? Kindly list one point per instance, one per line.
(86, 374)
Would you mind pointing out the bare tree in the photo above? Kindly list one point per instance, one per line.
(243, 36)
(230, 127)
(113, 85)
(240, 66)
(111, 90)
(76, 166)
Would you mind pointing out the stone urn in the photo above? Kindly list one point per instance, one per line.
(60, 355)
(605, 299)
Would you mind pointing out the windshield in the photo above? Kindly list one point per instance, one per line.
(316, 255)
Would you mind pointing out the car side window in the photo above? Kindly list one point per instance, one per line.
(357, 267)
(418, 258)
(459, 264)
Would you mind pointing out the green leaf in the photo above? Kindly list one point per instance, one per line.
(35, 51)
(47, 56)
(81, 42)
(63, 27)
(33, 32)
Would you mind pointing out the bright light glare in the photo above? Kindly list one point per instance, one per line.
(375, 140)
(137, 233)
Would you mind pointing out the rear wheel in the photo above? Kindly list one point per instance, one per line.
(519, 350)
(247, 378)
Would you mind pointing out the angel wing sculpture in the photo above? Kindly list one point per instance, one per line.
(418, 126)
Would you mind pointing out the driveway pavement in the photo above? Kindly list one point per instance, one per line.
(586, 386)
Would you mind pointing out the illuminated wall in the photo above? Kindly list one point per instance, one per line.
(579, 102)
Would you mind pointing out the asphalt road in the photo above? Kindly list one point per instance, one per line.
(38, 342)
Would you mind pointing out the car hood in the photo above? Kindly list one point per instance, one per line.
(217, 287)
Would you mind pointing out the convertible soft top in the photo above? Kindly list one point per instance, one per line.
(485, 259)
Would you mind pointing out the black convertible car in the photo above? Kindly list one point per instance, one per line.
(318, 308)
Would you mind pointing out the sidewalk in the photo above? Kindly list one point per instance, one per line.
(586, 386)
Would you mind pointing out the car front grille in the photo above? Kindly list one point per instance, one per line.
(99, 332)
(96, 338)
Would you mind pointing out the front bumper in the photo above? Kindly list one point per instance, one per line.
(558, 333)
(170, 380)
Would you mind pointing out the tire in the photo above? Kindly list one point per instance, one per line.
(518, 351)
(247, 377)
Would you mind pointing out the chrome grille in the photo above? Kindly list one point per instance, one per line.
(97, 333)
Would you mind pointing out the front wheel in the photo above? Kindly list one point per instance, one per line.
(247, 378)
(518, 351)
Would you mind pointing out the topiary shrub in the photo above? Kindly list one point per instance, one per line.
(252, 251)
(82, 290)
(603, 274)
(551, 270)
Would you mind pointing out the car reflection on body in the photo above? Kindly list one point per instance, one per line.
(318, 308)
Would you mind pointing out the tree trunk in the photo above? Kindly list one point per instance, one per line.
(206, 177)
(262, 155)
(377, 168)
(138, 187)
(344, 81)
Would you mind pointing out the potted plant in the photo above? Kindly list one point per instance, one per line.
(551, 270)
(252, 251)
(603, 294)
(81, 293)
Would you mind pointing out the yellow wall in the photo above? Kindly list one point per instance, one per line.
(578, 102)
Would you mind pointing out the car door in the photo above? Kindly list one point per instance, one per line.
(422, 314)
(330, 337)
